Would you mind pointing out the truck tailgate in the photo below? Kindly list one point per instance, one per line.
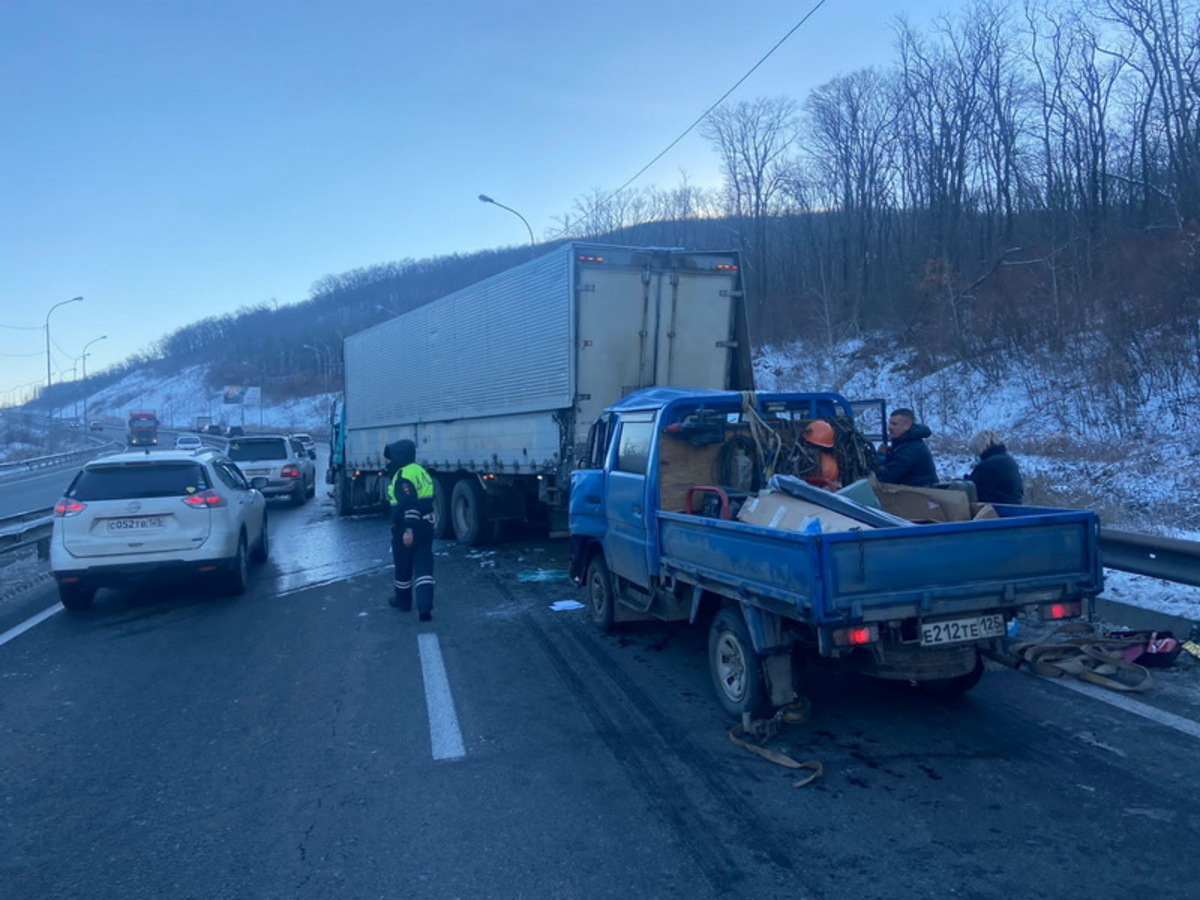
(875, 574)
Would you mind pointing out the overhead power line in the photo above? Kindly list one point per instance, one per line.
(808, 15)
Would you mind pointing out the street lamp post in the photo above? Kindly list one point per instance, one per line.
(484, 198)
(83, 358)
(320, 364)
(52, 309)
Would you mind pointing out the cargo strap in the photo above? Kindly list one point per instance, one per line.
(1088, 656)
(793, 713)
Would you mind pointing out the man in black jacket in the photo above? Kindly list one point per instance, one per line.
(997, 476)
(908, 460)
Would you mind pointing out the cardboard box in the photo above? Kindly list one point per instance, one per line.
(774, 509)
(924, 504)
(983, 511)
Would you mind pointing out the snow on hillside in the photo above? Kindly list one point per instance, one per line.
(181, 398)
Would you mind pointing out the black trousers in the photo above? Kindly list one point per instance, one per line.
(413, 567)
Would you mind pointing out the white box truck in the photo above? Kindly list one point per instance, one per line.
(499, 382)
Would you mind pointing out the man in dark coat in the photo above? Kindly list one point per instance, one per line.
(907, 460)
(997, 476)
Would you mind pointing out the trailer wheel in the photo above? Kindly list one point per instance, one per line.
(736, 669)
(600, 594)
(443, 526)
(468, 508)
(960, 684)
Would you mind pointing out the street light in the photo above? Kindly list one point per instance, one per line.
(484, 198)
(52, 309)
(84, 357)
(321, 364)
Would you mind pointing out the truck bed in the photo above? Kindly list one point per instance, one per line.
(1028, 555)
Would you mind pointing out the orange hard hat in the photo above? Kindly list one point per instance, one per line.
(820, 433)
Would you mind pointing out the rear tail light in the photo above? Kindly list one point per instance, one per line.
(290, 471)
(66, 507)
(855, 637)
(209, 499)
(1052, 611)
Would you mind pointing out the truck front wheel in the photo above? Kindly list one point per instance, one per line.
(341, 495)
(737, 672)
(443, 488)
(600, 594)
(468, 508)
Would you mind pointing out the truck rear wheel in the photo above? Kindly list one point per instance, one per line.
(736, 670)
(960, 684)
(468, 508)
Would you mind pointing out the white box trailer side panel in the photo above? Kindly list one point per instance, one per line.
(503, 345)
(524, 443)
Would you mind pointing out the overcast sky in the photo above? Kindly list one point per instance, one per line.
(174, 159)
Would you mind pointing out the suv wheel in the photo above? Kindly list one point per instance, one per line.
(76, 597)
(239, 573)
(263, 548)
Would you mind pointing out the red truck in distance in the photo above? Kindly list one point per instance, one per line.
(142, 428)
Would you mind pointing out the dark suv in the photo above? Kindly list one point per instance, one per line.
(283, 461)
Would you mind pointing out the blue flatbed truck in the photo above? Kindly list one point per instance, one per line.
(914, 602)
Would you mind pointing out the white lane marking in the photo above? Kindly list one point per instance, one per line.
(1145, 710)
(18, 630)
(444, 736)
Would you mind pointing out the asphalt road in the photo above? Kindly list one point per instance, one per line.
(300, 742)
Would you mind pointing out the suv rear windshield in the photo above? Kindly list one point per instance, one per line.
(141, 479)
(258, 448)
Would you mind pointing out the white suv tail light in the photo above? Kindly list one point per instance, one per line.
(66, 508)
(291, 470)
(208, 499)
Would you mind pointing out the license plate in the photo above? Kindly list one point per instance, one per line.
(256, 471)
(137, 523)
(956, 630)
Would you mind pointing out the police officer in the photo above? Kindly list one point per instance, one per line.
(410, 496)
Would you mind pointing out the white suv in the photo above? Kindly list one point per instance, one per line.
(282, 461)
(140, 516)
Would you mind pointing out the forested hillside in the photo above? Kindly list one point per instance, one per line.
(1016, 191)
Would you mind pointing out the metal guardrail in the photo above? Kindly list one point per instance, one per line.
(1171, 559)
(46, 462)
(27, 528)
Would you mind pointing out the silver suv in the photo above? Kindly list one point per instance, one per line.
(283, 461)
(140, 516)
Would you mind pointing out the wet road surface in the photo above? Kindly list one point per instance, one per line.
(285, 744)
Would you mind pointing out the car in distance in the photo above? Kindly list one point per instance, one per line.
(235, 431)
(306, 440)
(188, 442)
(96, 426)
(138, 516)
(288, 468)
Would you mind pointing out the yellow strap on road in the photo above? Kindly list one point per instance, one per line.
(793, 713)
(1089, 657)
